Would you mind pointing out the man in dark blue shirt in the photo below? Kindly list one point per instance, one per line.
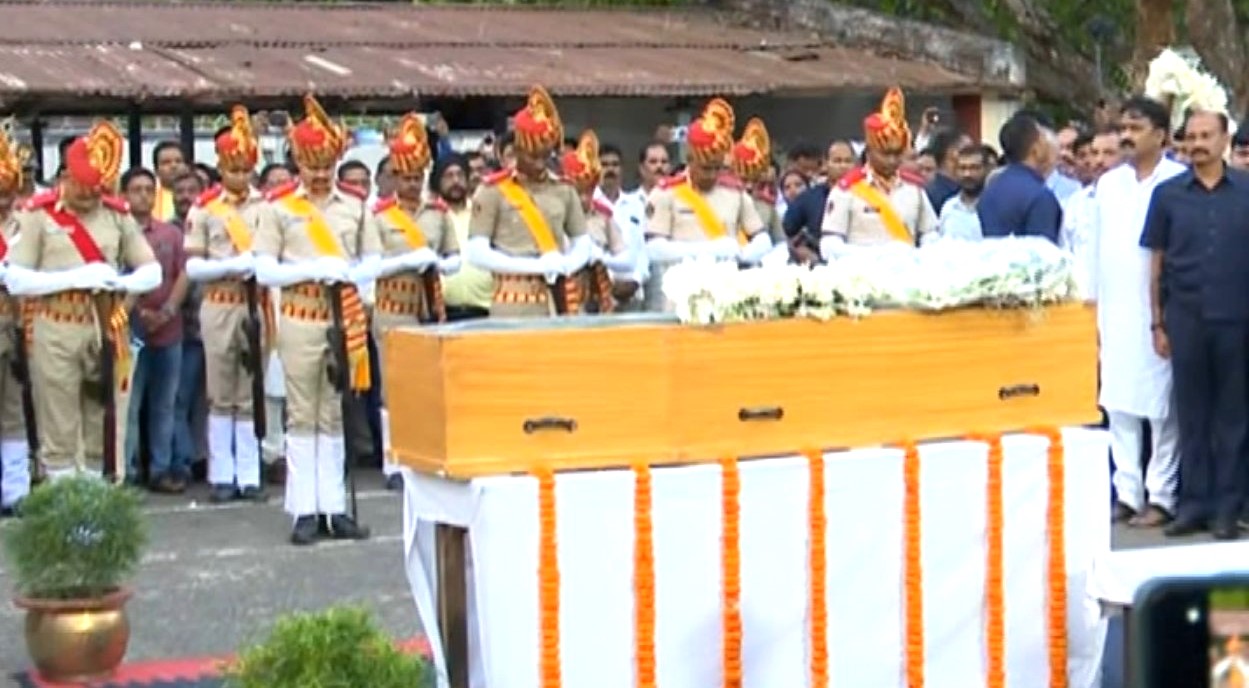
(1017, 202)
(1197, 230)
(804, 217)
(945, 146)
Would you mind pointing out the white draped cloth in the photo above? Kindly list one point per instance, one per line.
(1134, 379)
(864, 492)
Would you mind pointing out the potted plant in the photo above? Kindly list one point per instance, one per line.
(341, 646)
(78, 539)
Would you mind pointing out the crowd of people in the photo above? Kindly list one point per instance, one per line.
(222, 275)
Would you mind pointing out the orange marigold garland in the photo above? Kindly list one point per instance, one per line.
(912, 572)
(995, 576)
(548, 582)
(643, 578)
(817, 575)
(1056, 570)
(731, 571)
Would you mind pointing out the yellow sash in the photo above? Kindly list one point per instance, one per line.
(355, 320)
(530, 214)
(163, 207)
(884, 207)
(411, 231)
(711, 224)
(236, 228)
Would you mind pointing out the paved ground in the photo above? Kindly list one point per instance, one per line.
(216, 576)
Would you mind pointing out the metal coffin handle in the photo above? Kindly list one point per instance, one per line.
(760, 413)
(532, 425)
(1025, 390)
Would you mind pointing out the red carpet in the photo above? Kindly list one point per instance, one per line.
(203, 672)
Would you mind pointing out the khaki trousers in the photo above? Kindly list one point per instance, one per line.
(223, 319)
(65, 377)
(521, 296)
(12, 422)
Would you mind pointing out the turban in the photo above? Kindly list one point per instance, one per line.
(537, 126)
(316, 141)
(409, 146)
(710, 136)
(94, 160)
(12, 162)
(752, 155)
(582, 166)
(887, 129)
(237, 147)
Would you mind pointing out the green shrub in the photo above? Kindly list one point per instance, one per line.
(340, 647)
(78, 538)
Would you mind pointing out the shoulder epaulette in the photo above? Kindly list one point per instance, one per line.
(384, 204)
(209, 196)
(730, 181)
(911, 177)
(42, 199)
(282, 190)
(116, 203)
(352, 190)
(602, 207)
(669, 182)
(497, 177)
(851, 178)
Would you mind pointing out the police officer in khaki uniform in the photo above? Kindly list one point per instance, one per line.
(528, 226)
(312, 233)
(879, 203)
(609, 253)
(418, 245)
(751, 162)
(704, 211)
(72, 241)
(219, 254)
(14, 450)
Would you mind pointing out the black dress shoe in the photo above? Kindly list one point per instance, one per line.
(394, 483)
(253, 494)
(1185, 526)
(222, 493)
(305, 530)
(1225, 529)
(343, 528)
(1122, 513)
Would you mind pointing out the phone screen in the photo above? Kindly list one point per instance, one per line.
(1227, 622)
(1191, 633)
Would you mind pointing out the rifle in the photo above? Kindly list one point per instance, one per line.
(340, 377)
(255, 358)
(435, 306)
(108, 386)
(559, 294)
(21, 373)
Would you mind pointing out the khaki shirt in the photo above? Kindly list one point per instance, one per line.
(603, 230)
(206, 233)
(433, 219)
(771, 219)
(669, 218)
(495, 219)
(42, 244)
(284, 235)
(846, 215)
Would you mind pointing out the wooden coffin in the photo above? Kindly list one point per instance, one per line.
(500, 397)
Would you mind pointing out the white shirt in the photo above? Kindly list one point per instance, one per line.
(629, 214)
(1134, 379)
(1079, 226)
(958, 220)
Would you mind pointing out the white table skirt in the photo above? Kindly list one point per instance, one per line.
(864, 499)
(1117, 576)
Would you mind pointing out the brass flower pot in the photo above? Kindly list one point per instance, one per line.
(77, 641)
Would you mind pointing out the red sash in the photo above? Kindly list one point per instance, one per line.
(78, 234)
(4, 247)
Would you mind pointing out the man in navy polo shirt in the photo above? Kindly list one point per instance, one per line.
(1196, 230)
(1017, 201)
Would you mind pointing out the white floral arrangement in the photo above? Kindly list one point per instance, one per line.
(1013, 272)
(1181, 82)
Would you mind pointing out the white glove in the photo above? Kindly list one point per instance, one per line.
(4, 269)
(572, 263)
(597, 254)
(243, 265)
(726, 247)
(333, 270)
(420, 259)
(95, 276)
(449, 265)
(552, 263)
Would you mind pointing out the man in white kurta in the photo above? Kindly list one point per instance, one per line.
(1135, 382)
